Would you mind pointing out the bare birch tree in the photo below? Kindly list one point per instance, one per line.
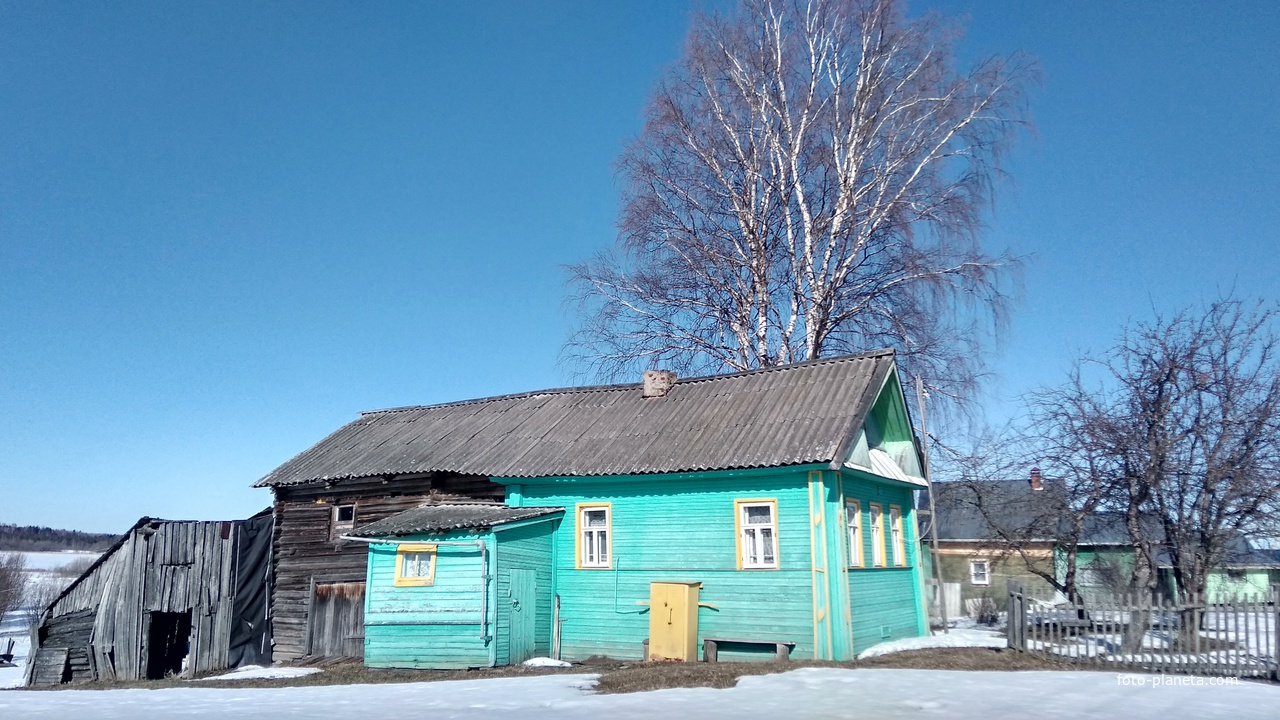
(810, 181)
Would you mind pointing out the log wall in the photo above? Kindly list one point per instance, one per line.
(306, 551)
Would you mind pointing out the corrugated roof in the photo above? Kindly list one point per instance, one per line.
(1020, 511)
(434, 519)
(788, 415)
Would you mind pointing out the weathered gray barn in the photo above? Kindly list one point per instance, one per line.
(168, 598)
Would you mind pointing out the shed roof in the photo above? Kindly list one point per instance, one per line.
(788, 415)
(446, 517)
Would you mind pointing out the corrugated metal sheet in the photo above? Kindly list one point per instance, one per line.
(780, 416)
(450, 516)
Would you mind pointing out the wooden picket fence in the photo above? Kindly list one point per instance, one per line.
(1236, 637)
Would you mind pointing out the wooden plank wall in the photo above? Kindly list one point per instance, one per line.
(161, 567)
(303, 548)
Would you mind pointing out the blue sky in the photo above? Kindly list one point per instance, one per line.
(226, 228)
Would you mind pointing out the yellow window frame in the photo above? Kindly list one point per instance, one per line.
(578, 529)
(857, 559)
(401, 580)
(737, 532)
(897, 536)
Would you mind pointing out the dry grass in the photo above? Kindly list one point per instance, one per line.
(641, 677)
(627, 677)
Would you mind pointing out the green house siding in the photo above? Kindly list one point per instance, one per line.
(436, 626)
(1244, 584)
(681, 529)
(884, 603)
(527, 547)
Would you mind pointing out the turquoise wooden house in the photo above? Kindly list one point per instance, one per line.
(777, 503)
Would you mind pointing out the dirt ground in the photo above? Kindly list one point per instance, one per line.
(625, 677)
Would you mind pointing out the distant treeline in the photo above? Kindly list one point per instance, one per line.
(29, 538)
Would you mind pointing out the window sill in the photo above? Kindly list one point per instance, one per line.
(413, 582)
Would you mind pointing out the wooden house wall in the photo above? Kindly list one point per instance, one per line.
(436, 626)
(681, 529)
(885, 603)
(304, 550)
(525, 548)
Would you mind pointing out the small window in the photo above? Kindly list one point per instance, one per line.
(342, 520)
(877, 535)
(853, 517)
(979, 572)
(415, 565)
(895, 529)
(593, 536)
(757, 534)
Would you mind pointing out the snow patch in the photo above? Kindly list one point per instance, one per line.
(11, 677)
(257, 672)
(807, 692)
(545, 662)
(957, 638)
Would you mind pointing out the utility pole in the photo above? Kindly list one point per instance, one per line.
(933, 513)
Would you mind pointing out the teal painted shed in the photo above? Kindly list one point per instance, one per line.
(459, 585)
(784, 495)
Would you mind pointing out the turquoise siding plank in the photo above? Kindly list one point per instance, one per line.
(884, 603)
(683, 530)
(527, 547)
(436, 626)
(830, 528)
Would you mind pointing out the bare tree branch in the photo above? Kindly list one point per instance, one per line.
(811, 181)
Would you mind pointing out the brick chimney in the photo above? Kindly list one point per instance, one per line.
(1037, 482)
(657, 383)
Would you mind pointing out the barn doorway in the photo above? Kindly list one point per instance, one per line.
(168, 641)
(336, 620)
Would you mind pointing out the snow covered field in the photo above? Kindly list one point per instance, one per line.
(803, 693)
(54, 560)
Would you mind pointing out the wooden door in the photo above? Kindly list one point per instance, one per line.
(336, 620)
(524, 611)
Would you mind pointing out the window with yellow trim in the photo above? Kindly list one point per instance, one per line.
(853, 517)
(757, 534)
(593, 536)
(415, 565)
(877, 535)
(895, 529)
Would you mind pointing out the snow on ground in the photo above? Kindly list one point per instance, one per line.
(12, 676)
(257, 672)
(803, 693)
(957, 638)
(545, 662)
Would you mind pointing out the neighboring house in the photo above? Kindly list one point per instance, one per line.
(1246, 572)
(778, 504)
(976, 556)
(168, 598)
(972, 554)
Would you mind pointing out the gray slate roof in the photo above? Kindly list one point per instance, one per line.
(1017, 508)
(435, 519)
(789, 415)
